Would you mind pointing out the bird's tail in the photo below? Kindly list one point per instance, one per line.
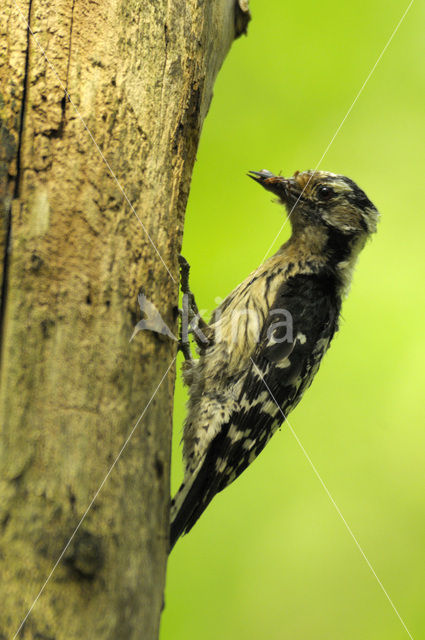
(197, 491)
(193, 497)
(187, 505)
(176, 505)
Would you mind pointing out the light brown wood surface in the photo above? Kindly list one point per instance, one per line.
(101, 107)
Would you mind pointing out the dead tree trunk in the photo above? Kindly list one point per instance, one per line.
(101, 108)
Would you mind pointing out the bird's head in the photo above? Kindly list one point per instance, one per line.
(324, 199)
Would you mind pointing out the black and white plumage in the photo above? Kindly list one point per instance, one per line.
(267, 338)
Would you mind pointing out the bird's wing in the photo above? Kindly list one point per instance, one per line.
(297, 331)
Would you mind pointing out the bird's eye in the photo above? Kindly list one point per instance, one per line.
(324, 193)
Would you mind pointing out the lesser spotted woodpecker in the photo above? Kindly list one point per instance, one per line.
(265, 341)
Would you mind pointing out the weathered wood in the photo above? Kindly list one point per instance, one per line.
(101, 108)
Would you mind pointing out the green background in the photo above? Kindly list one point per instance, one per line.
(271, 557)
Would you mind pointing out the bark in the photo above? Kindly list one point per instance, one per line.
(101, 108)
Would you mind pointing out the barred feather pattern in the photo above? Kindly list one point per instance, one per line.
(231, 412)
(249, 377)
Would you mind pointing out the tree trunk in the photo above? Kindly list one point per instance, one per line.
(101, 108)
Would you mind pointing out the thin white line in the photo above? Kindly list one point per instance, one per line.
(340, 126)
(331, 499)
(94, 142)
(94, 498)
(347, 526)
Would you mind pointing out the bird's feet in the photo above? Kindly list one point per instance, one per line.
(191, 321)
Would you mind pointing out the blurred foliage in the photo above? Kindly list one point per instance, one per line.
(271, 557)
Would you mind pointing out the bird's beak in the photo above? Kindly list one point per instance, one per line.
(276, 184)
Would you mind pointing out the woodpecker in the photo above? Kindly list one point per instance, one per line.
(265, 341)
